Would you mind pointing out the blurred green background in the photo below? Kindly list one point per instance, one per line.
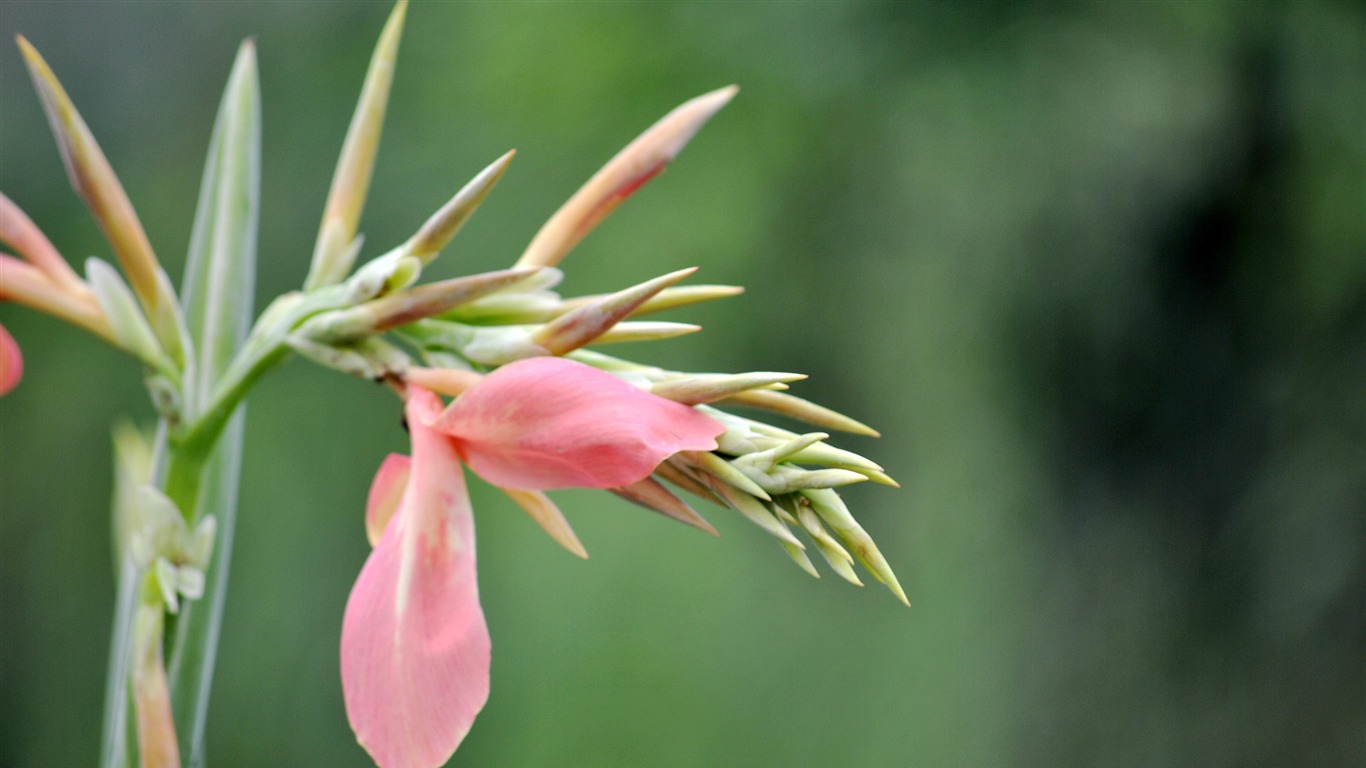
(1096, 270)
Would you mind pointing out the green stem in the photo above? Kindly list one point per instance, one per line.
(194, 639)
(113, 746)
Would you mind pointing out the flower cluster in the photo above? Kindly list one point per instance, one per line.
(533, 409)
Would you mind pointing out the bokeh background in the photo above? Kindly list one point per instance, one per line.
(1096, 270)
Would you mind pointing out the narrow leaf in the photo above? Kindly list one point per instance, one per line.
(219, 283)
(220, 268)
(195, 645)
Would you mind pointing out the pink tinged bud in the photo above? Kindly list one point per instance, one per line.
(17, 229)
(639, 162)
(385, 493)
(158, 746)
(24, 283)
(443, 381)
(415, 648)
(11, 362)
(547, 423)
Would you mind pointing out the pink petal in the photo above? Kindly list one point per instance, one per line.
(11, 362)
(547, 423)
(386, 490)
(415, 648)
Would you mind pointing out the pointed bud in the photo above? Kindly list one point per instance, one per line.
(799, 557)
(530, 301)
(766, 460)
(406, 306)
(802, 410)
(639, 162)
(443, 381)
(157, 745)
(94, 180)
(509, 308)
(583, 325)
(17, 229)
(880, 477)
(707, 388)
(838, 558)
(679, 477)
(740, 439)
(717, 467)
(645, 331)
(832, 511)
(756, 511)
(131, 330)
(786, 478)
(669, 298)
(830, 456)
(781, 512)
(549, 517)
(351, 181)
(687, 295)
(445, 223)
(651, 494)
(26, 284)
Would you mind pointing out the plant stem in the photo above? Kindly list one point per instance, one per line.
(113, 746)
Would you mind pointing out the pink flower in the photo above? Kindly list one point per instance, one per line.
(11, 362)
(415, 648)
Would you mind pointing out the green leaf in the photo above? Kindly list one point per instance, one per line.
(219, 279)
(195, 644)
(221, 265)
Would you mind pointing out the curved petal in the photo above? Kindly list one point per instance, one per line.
(11, 362)
(415, 648)
(547, 423)
(386, 491)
